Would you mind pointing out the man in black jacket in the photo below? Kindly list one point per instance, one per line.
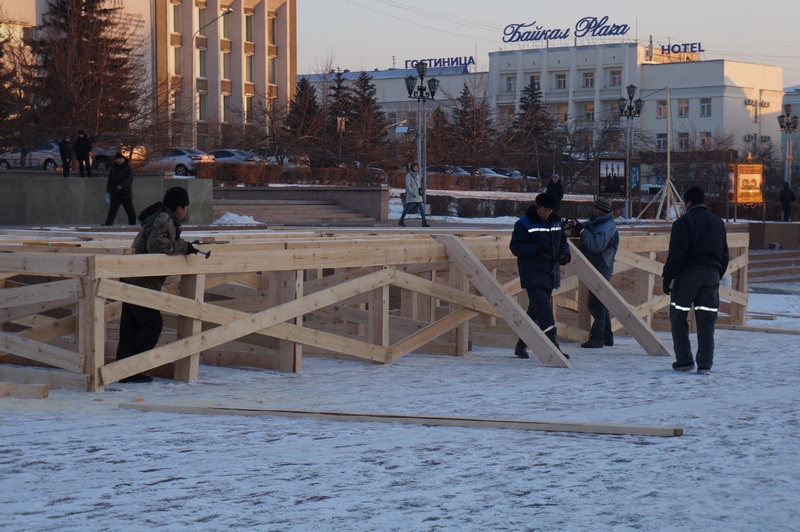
(697, 260)
(83, 151)
(786, 198)
(120, 190)
(540, 245)
(65, 151)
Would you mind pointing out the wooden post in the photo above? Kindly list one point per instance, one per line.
(378, 316)
(460, 282)
(192, 287)
(91, 327)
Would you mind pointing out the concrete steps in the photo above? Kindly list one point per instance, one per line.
(773, 266)
(291, 212)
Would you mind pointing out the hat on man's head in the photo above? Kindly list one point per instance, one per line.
(604, 204)
(119, 155)
(545, 200)
(694, 195)
(554, 176)
(176, 197)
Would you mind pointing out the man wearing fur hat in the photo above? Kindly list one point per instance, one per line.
(697, 260)
(599, 242)
(140, 327)
(540, 245)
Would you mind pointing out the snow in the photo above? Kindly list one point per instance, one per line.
(76, 461)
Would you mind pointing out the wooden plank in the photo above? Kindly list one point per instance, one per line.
(6, 388)
(513, 314)
(439, 421)
(39, 293)
(771, 330)
(54, 378)
(30, 391)
(241, 327)
(187, 369)
(43, 263)
(617, 305)
(40, 352)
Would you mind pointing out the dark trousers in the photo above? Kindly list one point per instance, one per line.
(139, 330)
(113, 208)
(701, 289)
(786, 214)
(84, 166)
(407, 209)
(540, 310)
(67, 163)
(601, 324)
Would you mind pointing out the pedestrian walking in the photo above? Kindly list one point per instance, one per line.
(786, 198)
(556, 189)
(140, 327)
(65, 152)
(696, 261)
(413, 195)
(540, 244)
(83, 152)
(599, 242)
(119, 189)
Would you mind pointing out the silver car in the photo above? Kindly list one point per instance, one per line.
(237, 157)
(44, 155)
(181, 161)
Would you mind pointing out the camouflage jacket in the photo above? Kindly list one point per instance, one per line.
(160, 233)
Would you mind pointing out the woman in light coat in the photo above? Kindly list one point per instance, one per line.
(413, 195)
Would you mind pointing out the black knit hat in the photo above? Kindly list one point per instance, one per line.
(176, 197)
(694, 195)
(545, 200)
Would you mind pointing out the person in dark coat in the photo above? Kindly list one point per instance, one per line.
(696, 262)
(540, 245)
(140, 327)
(599, 242)
(83, 152)
(786, 198)
(120, 190)
(556, 190)
(65, 152)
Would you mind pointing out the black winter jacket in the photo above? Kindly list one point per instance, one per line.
(530, 235)
(120, 180)
(698, 241)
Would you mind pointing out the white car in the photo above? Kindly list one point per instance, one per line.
(180, 161)
(236, 156)
(44, 155)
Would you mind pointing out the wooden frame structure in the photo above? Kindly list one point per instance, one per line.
(266, 298)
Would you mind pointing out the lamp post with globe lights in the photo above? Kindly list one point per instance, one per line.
(788, 125)
(629, 109)
(422, 93)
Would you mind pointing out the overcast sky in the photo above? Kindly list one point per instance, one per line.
(380, 34)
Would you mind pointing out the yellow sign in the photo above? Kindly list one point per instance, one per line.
(749, 178)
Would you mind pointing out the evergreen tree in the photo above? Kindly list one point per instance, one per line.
(304, 113)
(368, 123)
(530, 135)
(90, 78)
(473, 130)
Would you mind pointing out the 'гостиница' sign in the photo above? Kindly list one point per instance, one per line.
(585, 27)
(438, 62)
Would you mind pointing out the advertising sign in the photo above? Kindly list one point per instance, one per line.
(749, 178)
(611, 176)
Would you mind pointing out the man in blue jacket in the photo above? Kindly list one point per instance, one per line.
(599, 242)
(540, 245)
(697, 260)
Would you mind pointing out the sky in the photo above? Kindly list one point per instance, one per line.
(381, 34)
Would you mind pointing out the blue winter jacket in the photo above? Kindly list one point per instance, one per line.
(599, 243)
(530, 234)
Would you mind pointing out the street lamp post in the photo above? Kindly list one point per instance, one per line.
(422, 93)
(629, 109)
(193, 81)
(788, 124)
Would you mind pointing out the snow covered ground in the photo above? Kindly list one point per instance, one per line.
(76, 461)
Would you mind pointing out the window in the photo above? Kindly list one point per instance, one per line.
(705, 140)
(661, 108)
(683, 141)
(226, 66)
(588, 80)
(202, 102)
(248, 28)
(226, 107)
(683, 108)
(201, 62)
(616, 78)
(536, 82)
(273, 30)
(227, 26)
(705, 106)
(661, 142)
(248, 109)
(176, 18)
(175, 103)
(588, 111)
(175, 67)
(201, 20)
(273, 70)
(511, 83)
(248, 68)
(562, 112)
(561, 81)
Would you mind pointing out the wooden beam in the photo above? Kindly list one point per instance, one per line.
(39, 293)
(192, 287)
(40, 352)
(439, 421)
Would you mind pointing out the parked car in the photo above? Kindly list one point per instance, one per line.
(236, 156)
(44, 155)
(488, 172)
(181, 161)
(281, 157)
(446, 169)
(103, 155)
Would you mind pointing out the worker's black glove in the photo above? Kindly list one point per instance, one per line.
(564, 259)
(665, 287)
(578, 227)
(545, 252)
(420, 191)
(191, 250)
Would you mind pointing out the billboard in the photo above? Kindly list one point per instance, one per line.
(611, 176)
(748, 180)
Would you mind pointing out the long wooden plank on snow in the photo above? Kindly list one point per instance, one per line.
(439, 421)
